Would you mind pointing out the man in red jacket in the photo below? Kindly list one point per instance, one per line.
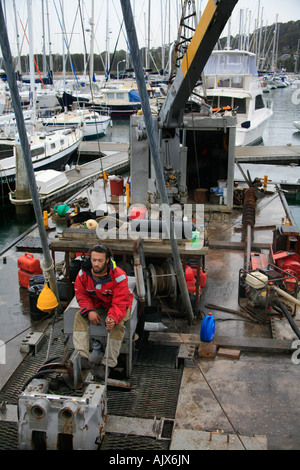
(101, 287)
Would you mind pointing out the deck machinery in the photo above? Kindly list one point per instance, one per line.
(191, 147)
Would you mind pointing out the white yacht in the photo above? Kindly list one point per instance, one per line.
(120, 97)
(48, 150)
(232, 83)
(91, 123)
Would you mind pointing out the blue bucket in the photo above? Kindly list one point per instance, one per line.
(207, 328)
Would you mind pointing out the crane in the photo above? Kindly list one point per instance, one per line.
(207, 33)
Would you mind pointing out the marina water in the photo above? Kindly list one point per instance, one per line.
(279, 131)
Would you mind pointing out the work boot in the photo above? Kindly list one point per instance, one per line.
(99, 372)
(78, 368)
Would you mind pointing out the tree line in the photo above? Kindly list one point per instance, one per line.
(287, 45)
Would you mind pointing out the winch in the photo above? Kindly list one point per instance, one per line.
(49, 421)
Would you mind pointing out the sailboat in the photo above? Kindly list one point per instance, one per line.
(92, 124)
(231, 81)
(48, 149)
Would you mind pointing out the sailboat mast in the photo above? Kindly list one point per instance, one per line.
(49, 38)
(162, 38)
(18, 39)
(259, 42)
(92, 43)
(228, 33)
(149, 33)
(63, 41)
(274, 46)
(31, 63)
(107, 59)
(248, 33)
(44, 39)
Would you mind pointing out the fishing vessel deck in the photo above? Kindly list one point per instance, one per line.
(244, 399)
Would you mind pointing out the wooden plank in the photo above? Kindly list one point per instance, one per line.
(230, 353)
(207, 350)
(270, 345)
(228, 245)
(69, 242)
(173, 338)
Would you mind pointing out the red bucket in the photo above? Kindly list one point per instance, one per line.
(116, 186)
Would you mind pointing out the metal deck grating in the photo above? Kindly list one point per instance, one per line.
(153, 393)
(8, 436)
(121, 443)
(30, 365)
(155, 384)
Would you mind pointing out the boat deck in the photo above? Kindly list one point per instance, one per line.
(238, 392)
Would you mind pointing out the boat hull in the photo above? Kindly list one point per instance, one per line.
(89, 132)
(118, 111)
(55, 161)
(87, 123)
(253, 135)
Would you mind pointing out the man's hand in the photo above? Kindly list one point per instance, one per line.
(109, 323)
(94, 318)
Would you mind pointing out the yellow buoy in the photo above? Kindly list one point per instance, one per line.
(47, 301)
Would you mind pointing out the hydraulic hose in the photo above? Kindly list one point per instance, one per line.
(286, 295)
(41, 373)
(289, 317)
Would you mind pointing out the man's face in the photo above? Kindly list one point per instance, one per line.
(99, 262)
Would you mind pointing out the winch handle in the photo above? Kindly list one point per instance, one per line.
(106, 364)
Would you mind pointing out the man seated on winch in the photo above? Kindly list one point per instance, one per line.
(101, 287)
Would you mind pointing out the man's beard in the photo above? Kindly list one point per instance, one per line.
(100, 270)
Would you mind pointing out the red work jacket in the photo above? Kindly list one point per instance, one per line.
(110, 292)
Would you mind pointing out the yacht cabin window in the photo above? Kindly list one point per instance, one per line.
(239, 104)
(230, 82)
(259, 102)
(36, 152)
(231, 63)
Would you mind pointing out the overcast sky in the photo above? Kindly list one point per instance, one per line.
(161, 27)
